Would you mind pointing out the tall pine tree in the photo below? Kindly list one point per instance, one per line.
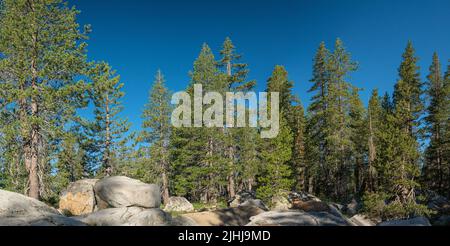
(43, 51)
(156, 125)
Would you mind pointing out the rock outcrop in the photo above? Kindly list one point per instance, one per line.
(131, 216)
(20, 210)
(225, 217)
(78, 198)
(121, 192)
(297, 218)
(178, 204)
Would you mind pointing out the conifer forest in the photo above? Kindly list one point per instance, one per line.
(386, 155)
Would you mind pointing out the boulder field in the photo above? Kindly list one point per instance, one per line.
(122, 201)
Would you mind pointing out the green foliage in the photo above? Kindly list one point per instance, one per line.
(436, 164)
(377, 205)
(43, 52)
(109, 128)
(276, 171)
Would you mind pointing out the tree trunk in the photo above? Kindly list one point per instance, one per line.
(165, 187)
(107, 154)
(32, 145)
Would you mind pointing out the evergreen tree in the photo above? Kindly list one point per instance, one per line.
(435, 165)
(276, 171)
(249, 162)
(406, 118)
(236, 74)
(316, 123)
(198, 154)
(108, 129)
(156, 125)
(291, 107)
(374, 124)
(43, 51)
(411, 91)
(359, 136)
(298, 160)
(338, 131)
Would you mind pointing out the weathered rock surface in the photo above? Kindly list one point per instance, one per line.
(132, 216)
(120, 192)
(297, 218)
(225, 217)
(20, 210)
(418, 221)
(78, 198)
(311, 206)
(183, 221)
(361, 220)
(254, 203)
(178, 204)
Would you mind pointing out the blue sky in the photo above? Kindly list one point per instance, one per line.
(138, 37)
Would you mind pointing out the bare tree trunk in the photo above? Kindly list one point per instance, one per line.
(32, 145)
(107, 154)
(165, 188)
(311, 185)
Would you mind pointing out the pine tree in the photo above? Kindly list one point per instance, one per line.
(374, 124)
(198, 154)
(316, 122)
(298, 160)
(446, 136)
(236, 74)
(408, 107)
(411, 91)
(292, 108)
(359, 136)
(156, 125)
(43, 51)
(275, 155)
(248, 163)
(436, 119)
(108, 129)
(338, 131)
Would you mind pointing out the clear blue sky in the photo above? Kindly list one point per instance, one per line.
(137, 37)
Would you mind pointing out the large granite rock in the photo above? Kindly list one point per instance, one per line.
(19, 210)
(178, 204)
(78, 198)
(131, 216)
(418, 221)
(225, 217)
(120, 192)
(297, 218)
